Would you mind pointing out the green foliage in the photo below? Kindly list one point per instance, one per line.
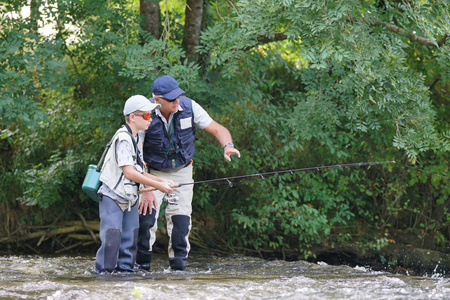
(357, 99)
(333, 86)
(27, 65)
(74, 98)
(156, 57)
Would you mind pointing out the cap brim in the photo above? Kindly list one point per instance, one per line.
(174, 94)
(150, 106)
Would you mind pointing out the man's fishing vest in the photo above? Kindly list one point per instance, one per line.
(164, 151)
(112, 175)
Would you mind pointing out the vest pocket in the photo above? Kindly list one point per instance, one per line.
(153, 144)
(157, 161)
(130, 188)
(186, 137)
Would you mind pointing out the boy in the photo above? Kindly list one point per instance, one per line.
(122, 173)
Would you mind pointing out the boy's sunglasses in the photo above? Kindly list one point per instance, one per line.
(145, 116)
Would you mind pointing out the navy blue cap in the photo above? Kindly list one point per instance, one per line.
(167, 87)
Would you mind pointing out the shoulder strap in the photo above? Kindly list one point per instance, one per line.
(108, 145)
(102, 158)
(138, 158)
(192, 113)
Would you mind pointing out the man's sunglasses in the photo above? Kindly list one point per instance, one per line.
(145, 116)
(168, 100)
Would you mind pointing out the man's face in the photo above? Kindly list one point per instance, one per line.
(168, 106)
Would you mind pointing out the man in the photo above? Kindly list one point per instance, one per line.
(168, 151)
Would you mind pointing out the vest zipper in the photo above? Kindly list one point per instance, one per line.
(117, 184)
(170, 138)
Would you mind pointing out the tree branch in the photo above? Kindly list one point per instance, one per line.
(278, 36)
(411, 36)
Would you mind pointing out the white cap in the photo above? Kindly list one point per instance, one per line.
(138, 102)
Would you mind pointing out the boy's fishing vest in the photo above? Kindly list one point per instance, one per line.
(112, 175)
(164, 151)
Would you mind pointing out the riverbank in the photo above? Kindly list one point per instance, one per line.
(395, 258)
(405, 253)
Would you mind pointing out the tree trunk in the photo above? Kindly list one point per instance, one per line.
(192, 27)
(34, 15)
(151, 23)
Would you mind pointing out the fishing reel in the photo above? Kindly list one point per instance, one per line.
(171, 198)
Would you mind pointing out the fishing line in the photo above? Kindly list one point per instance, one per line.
(422, 170)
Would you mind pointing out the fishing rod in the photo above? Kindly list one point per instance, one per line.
(291, 171)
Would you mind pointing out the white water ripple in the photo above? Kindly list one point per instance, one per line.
(209, 277)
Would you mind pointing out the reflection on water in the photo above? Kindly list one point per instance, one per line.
(208, 277)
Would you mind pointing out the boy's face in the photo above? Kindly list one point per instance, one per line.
(142, 120)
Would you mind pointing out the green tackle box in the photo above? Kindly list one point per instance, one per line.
(91, 183)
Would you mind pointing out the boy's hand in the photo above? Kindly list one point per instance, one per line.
(169, 181)
(165, 186)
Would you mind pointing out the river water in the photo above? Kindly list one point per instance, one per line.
(209, 277)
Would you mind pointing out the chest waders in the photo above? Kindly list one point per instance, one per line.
(168, 154)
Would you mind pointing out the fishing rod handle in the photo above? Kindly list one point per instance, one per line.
(151, 189)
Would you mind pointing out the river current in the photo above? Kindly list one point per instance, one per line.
(209, 277)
